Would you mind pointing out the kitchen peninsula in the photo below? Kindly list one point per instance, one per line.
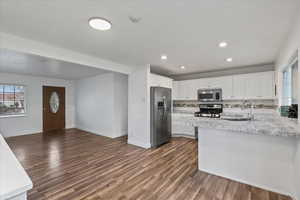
(259, 152)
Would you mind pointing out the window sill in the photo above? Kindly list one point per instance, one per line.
(12, 116)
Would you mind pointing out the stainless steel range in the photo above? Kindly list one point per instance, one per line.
(210, 103)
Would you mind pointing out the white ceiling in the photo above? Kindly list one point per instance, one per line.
(187, 31)
(28, 64)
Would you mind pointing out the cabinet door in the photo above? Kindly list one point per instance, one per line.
(182, 90)
(260, 85)
(192, 89)
(224, 82)
(239, 87)
(160, 81)
(201, 83)
(226, 85)
(185, 90)
(267, 85)
(175, 90)
(167, 82)
(253, 86)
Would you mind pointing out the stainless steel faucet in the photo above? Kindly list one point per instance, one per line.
(248, 104)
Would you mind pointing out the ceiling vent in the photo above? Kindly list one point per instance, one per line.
(134, 20)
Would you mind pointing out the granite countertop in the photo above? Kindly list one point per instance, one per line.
(266, 122)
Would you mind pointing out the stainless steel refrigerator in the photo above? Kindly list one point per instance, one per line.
(161, 100)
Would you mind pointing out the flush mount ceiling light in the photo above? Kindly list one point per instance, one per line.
(182, 67)
(229, 59)
(99, 23)
(223, 44)
(164, 57)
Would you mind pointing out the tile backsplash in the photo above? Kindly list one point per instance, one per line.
(284, 111)
(264, 104)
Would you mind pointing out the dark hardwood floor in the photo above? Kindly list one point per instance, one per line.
(73, 164)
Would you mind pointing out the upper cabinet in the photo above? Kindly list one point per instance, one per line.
(260, 86)
(225, 83)
(245, 86)
(239, 86)
(185, 90)
(175, 90)
(160, 81)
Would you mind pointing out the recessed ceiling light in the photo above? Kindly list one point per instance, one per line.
(223, 44)
(99, 23)
(182, 67)
(164, 57)
(229, 59)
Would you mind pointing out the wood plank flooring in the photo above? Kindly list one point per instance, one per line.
(76, 165)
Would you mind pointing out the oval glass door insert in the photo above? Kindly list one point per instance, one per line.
(54, 102)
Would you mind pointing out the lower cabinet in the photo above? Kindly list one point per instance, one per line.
(181, 125)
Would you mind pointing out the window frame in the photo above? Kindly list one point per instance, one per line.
(294, 59)
(25, 102)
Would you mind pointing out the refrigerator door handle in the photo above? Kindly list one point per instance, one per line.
(165, 105)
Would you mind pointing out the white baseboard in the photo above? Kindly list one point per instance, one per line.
(138, 143)
(95, 132)
(120, 134)
(183, 135)
(110, 135)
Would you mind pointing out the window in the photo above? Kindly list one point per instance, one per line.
(12, 100)
(290, 80)
(287, 87)
(295, 86)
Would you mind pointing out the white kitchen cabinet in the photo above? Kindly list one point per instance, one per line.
(267, 85)
(187, 90)
(175, 90)
(224, 82)
(260, 85)
(202, 83)
(192, 93)
(178, 90)
(236, 87)
(160, 81)
(239, 86)
(254, 86)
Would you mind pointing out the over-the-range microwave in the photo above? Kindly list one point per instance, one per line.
(210, 95)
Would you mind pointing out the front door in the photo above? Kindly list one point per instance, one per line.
(53, 108)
